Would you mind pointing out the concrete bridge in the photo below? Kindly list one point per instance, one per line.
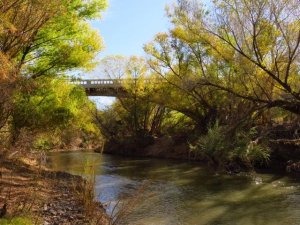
(109, 87)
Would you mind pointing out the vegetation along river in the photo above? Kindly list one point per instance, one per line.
(175, 192)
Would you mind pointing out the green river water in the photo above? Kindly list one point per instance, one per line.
(182, 193)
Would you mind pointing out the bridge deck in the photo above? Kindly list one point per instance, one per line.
(107, 87)
(107, 82)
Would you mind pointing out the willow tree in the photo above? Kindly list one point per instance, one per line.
(182, 65)
(256, 44)
(52, 109)
(44, 39)
(137, 113)
(172, 59)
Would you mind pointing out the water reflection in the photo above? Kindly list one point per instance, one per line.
(187, 194)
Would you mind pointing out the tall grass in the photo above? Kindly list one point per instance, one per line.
(85, 191)
(125, 207)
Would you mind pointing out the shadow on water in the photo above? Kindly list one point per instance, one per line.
(256, 205)
(188, 194)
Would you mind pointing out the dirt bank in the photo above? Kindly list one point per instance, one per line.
(282, 152)
(46, 197)
(165, 147)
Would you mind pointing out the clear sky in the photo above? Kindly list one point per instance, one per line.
(126, 26)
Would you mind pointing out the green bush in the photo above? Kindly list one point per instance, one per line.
(212, 145)
(220, 149)
(248, 150)
(42, 143)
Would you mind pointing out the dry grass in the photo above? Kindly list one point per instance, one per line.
(86, 193)
(125, 207)
(47, 196)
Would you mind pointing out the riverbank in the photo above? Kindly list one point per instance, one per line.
(32, 193)
(284, 155)
(166, 147)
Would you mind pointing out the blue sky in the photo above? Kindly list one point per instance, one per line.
(126, 26)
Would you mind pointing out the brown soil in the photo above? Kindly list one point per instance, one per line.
(48, 197)
(164, 147)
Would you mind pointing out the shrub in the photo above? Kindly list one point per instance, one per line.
(220, 149)
(249, 150)
(211, 146)
(42, 143)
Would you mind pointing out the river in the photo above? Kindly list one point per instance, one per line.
(171, 192)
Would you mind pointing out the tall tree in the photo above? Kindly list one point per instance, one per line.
(138, 113)
(182, 65)
(43, 39)
(255, 44)
(55, 38)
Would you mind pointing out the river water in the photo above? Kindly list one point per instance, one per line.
(180, 193)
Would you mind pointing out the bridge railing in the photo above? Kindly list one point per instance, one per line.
(96, 83)
(99, 82)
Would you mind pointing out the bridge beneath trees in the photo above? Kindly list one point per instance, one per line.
(110, 87)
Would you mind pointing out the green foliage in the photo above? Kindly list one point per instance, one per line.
(136, 115)
(64, 41)
(64, 45)
(247, 150)
(212, 145)
(42, 143)
(256, 60)
(89, 9)
(55, 38)
(220, 149)
(52, 106)
(41, 41)
(176, 123)
(131, 118)
(224, 67)
(16, 221)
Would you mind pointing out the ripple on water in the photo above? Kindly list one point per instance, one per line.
(178, 193)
